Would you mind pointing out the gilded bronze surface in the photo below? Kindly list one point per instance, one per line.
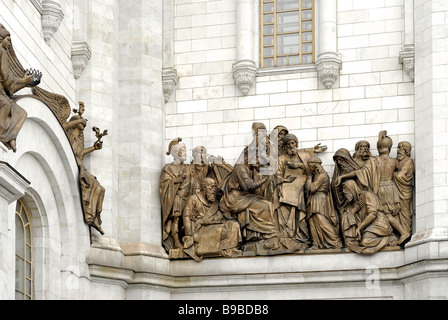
(278, 199)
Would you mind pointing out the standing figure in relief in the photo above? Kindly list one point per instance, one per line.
(362, 152)
(373, 232)
(344, 164)
(207, 232)
(378, 175)
(404, 179)
(291, 211)
(174, 193)
(12, 116)
(92, 191)
(322, 215)
(277, 138)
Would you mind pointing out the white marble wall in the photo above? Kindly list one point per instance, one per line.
(373, 93)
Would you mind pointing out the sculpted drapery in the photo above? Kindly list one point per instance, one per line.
(282, 200)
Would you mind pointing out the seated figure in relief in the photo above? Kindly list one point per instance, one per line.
(12, 116)
(207, 232)
(370, 230)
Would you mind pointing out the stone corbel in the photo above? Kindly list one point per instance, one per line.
(80, 57)
(328, 66)
(407, 59)
(52, 17)
(245, 73)
(169, 81)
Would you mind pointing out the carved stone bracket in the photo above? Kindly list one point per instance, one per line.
(328, 66)
(245, 73)
(52, 17)
(407, 59)
(80, 57)
(170, 81)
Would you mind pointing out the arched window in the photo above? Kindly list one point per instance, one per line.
(287, 36)
(24, 255)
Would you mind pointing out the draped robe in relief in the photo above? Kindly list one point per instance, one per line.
(255, 215)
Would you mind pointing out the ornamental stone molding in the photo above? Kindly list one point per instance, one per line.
(245, 73)
(407, 59)
(328, 66)
(80, 57)
(52, 17)
(170, 81)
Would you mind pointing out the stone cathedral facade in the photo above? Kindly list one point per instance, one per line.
(96, 94)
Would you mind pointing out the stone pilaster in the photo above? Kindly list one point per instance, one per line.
(12, 188)
(142, 125)
(245, 68)
(328, 62)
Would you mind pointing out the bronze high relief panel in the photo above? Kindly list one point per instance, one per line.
(278, 199)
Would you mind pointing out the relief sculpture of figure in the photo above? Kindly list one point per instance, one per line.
(241, 200)
(362, 152)
(174, 192)
(12, 116)
(344, 164)
(207, 232)
(291, 212)
(404, 179)
(378, 175)
(322, 216)
(92, 191)
(373, 232)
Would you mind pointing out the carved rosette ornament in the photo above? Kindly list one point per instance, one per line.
(328, 66)
(407, 59)
(245, 73)
(170, 81)
(52, 17)
(80, 57)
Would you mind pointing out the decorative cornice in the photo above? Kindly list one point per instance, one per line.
(80, 57)
(407, 59)
(245, 73)
(52, 17)
(12, 183)
(328, 66)
(169, 82)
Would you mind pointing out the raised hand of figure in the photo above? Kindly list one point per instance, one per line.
(320, 149)
(98, 145)
(32, 77)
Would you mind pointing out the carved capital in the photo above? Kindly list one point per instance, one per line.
(328, 66)
(407, 59)
(80, 57)
(170, 81)
(245, 73)
(52, 16)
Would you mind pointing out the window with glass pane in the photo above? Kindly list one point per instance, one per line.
(287, 36)
(24, 263)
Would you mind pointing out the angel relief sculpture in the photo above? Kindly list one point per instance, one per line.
(92, 191)
(12, 116)
(278, 199)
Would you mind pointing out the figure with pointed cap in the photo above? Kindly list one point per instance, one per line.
(174, 192)
(378, 175)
